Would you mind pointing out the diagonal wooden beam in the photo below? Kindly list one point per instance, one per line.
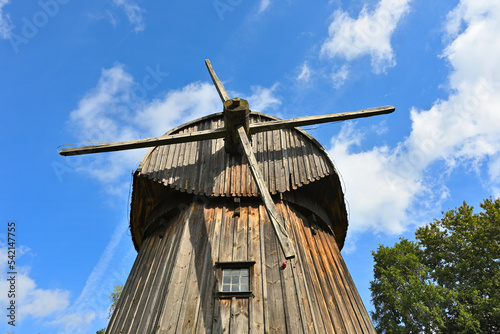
(218, 84)
(311, 120)
(272, 212)
(147, 142)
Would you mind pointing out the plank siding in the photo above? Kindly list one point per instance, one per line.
(173, 283)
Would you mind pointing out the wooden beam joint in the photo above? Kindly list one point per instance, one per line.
(236, 114)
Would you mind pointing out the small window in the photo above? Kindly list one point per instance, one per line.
(235, 279)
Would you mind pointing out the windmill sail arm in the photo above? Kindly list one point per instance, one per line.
(147, 142)
(311, 120)
(218, 84)
(272, 212)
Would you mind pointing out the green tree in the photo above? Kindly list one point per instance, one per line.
(113, 297)
(446, 281)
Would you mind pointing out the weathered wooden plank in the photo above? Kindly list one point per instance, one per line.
(288, 291)
(142, 143)
(306, 303)
(218, 84)
(335, 286)
(254, 254)
(204, 162)
(351, 289)
(150, 290)
(263, 267)
(295, 177)
(296, 317)
(239, 315)
(127, 318)
(240, 252)
(224, 309)
(275, 300)
(124, 303)
(331, 306)
(209, 318)
(154, 309)
(175, 294)
(318, 305)
(310, 120)
(266, 197)
(227, 237)
(198, 237)
(271, 178)
(284, 162)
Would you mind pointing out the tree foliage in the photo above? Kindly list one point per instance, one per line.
(446, 281)
(113, 297)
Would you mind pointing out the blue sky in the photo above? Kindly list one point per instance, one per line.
(98, 71)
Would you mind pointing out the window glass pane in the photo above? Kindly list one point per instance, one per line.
(235, 280)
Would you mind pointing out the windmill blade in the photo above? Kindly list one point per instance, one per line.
(310, 120)
(147, 142)
(218, 84)
(272, 212)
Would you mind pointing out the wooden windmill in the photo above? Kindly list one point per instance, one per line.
(238, 219)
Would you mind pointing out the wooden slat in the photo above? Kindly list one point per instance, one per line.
(309, 323)
(266, 197)
(191, 299)
(211, 315)
(239, 315)
(275, 308)
(254, 254)
(168, 321)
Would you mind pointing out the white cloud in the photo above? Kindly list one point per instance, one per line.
(264, 5)
(369, 34)
(377, 200)
(387, 186)
(179, 106)
(5, 25)
(263, 99)
(305, 73)
(339, 76)
(133, 12)
(36, 302)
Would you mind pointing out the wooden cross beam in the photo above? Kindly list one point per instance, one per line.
(236, 130)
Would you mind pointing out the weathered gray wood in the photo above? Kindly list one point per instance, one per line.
(311, 120)
(266, 197)
(308, 316)
(147, 142)
(218, 84)
(275, 301)
(254, 254)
